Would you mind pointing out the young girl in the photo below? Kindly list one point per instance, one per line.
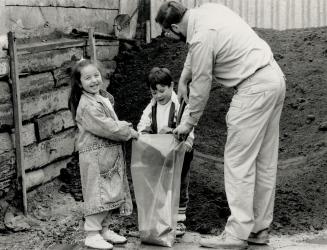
(103, 175)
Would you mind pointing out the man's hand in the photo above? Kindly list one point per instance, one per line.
(182, 91)
(182, 131)
(166, 130)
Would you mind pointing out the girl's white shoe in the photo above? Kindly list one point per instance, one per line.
(113, 237)
(97, 241)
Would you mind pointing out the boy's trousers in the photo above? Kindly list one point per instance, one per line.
(185, 181)
(251, 151)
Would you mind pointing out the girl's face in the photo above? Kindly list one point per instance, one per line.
(162, 94)
(91, 79)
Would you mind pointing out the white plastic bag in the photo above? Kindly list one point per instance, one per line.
(156, 167)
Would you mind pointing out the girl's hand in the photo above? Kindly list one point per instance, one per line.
(135, 134)
(129, 124)
(166, 130)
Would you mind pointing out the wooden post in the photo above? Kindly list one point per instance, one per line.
(92, 45)
(17, 118)
(148, 31)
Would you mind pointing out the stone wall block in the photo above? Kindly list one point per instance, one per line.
(47, 151)
(7, 169)
(36, 84)
(4, 66)
(62, 75)
(46, 174)
(46, 103)
(6, 115)
(5, 142)
(28, 135)
(54, 123)
(5, 92)
(47, 60)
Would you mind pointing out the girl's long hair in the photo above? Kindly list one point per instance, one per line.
(76, 85)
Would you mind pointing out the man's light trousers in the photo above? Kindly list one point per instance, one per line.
(251, 151)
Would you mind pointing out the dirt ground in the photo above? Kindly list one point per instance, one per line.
(301, 198)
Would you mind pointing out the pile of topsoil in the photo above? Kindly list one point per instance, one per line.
(301, 189)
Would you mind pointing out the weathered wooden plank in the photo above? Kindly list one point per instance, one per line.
(54, 123)
(38, 47)
(14, 76)
(45, 103)
(47, 60)
(40, 55)
(94, 4)
(91, 42)
(36, 84)
(45, 152)
(46, 174)
(103, 42)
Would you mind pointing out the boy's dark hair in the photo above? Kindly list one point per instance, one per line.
(76, 85)
(170, 13)
(161, 76)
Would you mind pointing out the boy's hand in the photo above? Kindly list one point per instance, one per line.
(166, 130)
(187, 147)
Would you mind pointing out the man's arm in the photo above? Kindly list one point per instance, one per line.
(202, 60)
(184, 79)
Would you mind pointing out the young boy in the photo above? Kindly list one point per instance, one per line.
(160, 117)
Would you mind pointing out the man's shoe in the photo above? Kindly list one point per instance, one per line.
(180, 229)
(224, 241)
(96, 241)
(113, 237)
(259, 238)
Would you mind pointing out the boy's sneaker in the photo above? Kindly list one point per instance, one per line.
(180, 229)
(181, 217)
(224, 241)
(113, 237)
(259, 238)
(96, 241)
